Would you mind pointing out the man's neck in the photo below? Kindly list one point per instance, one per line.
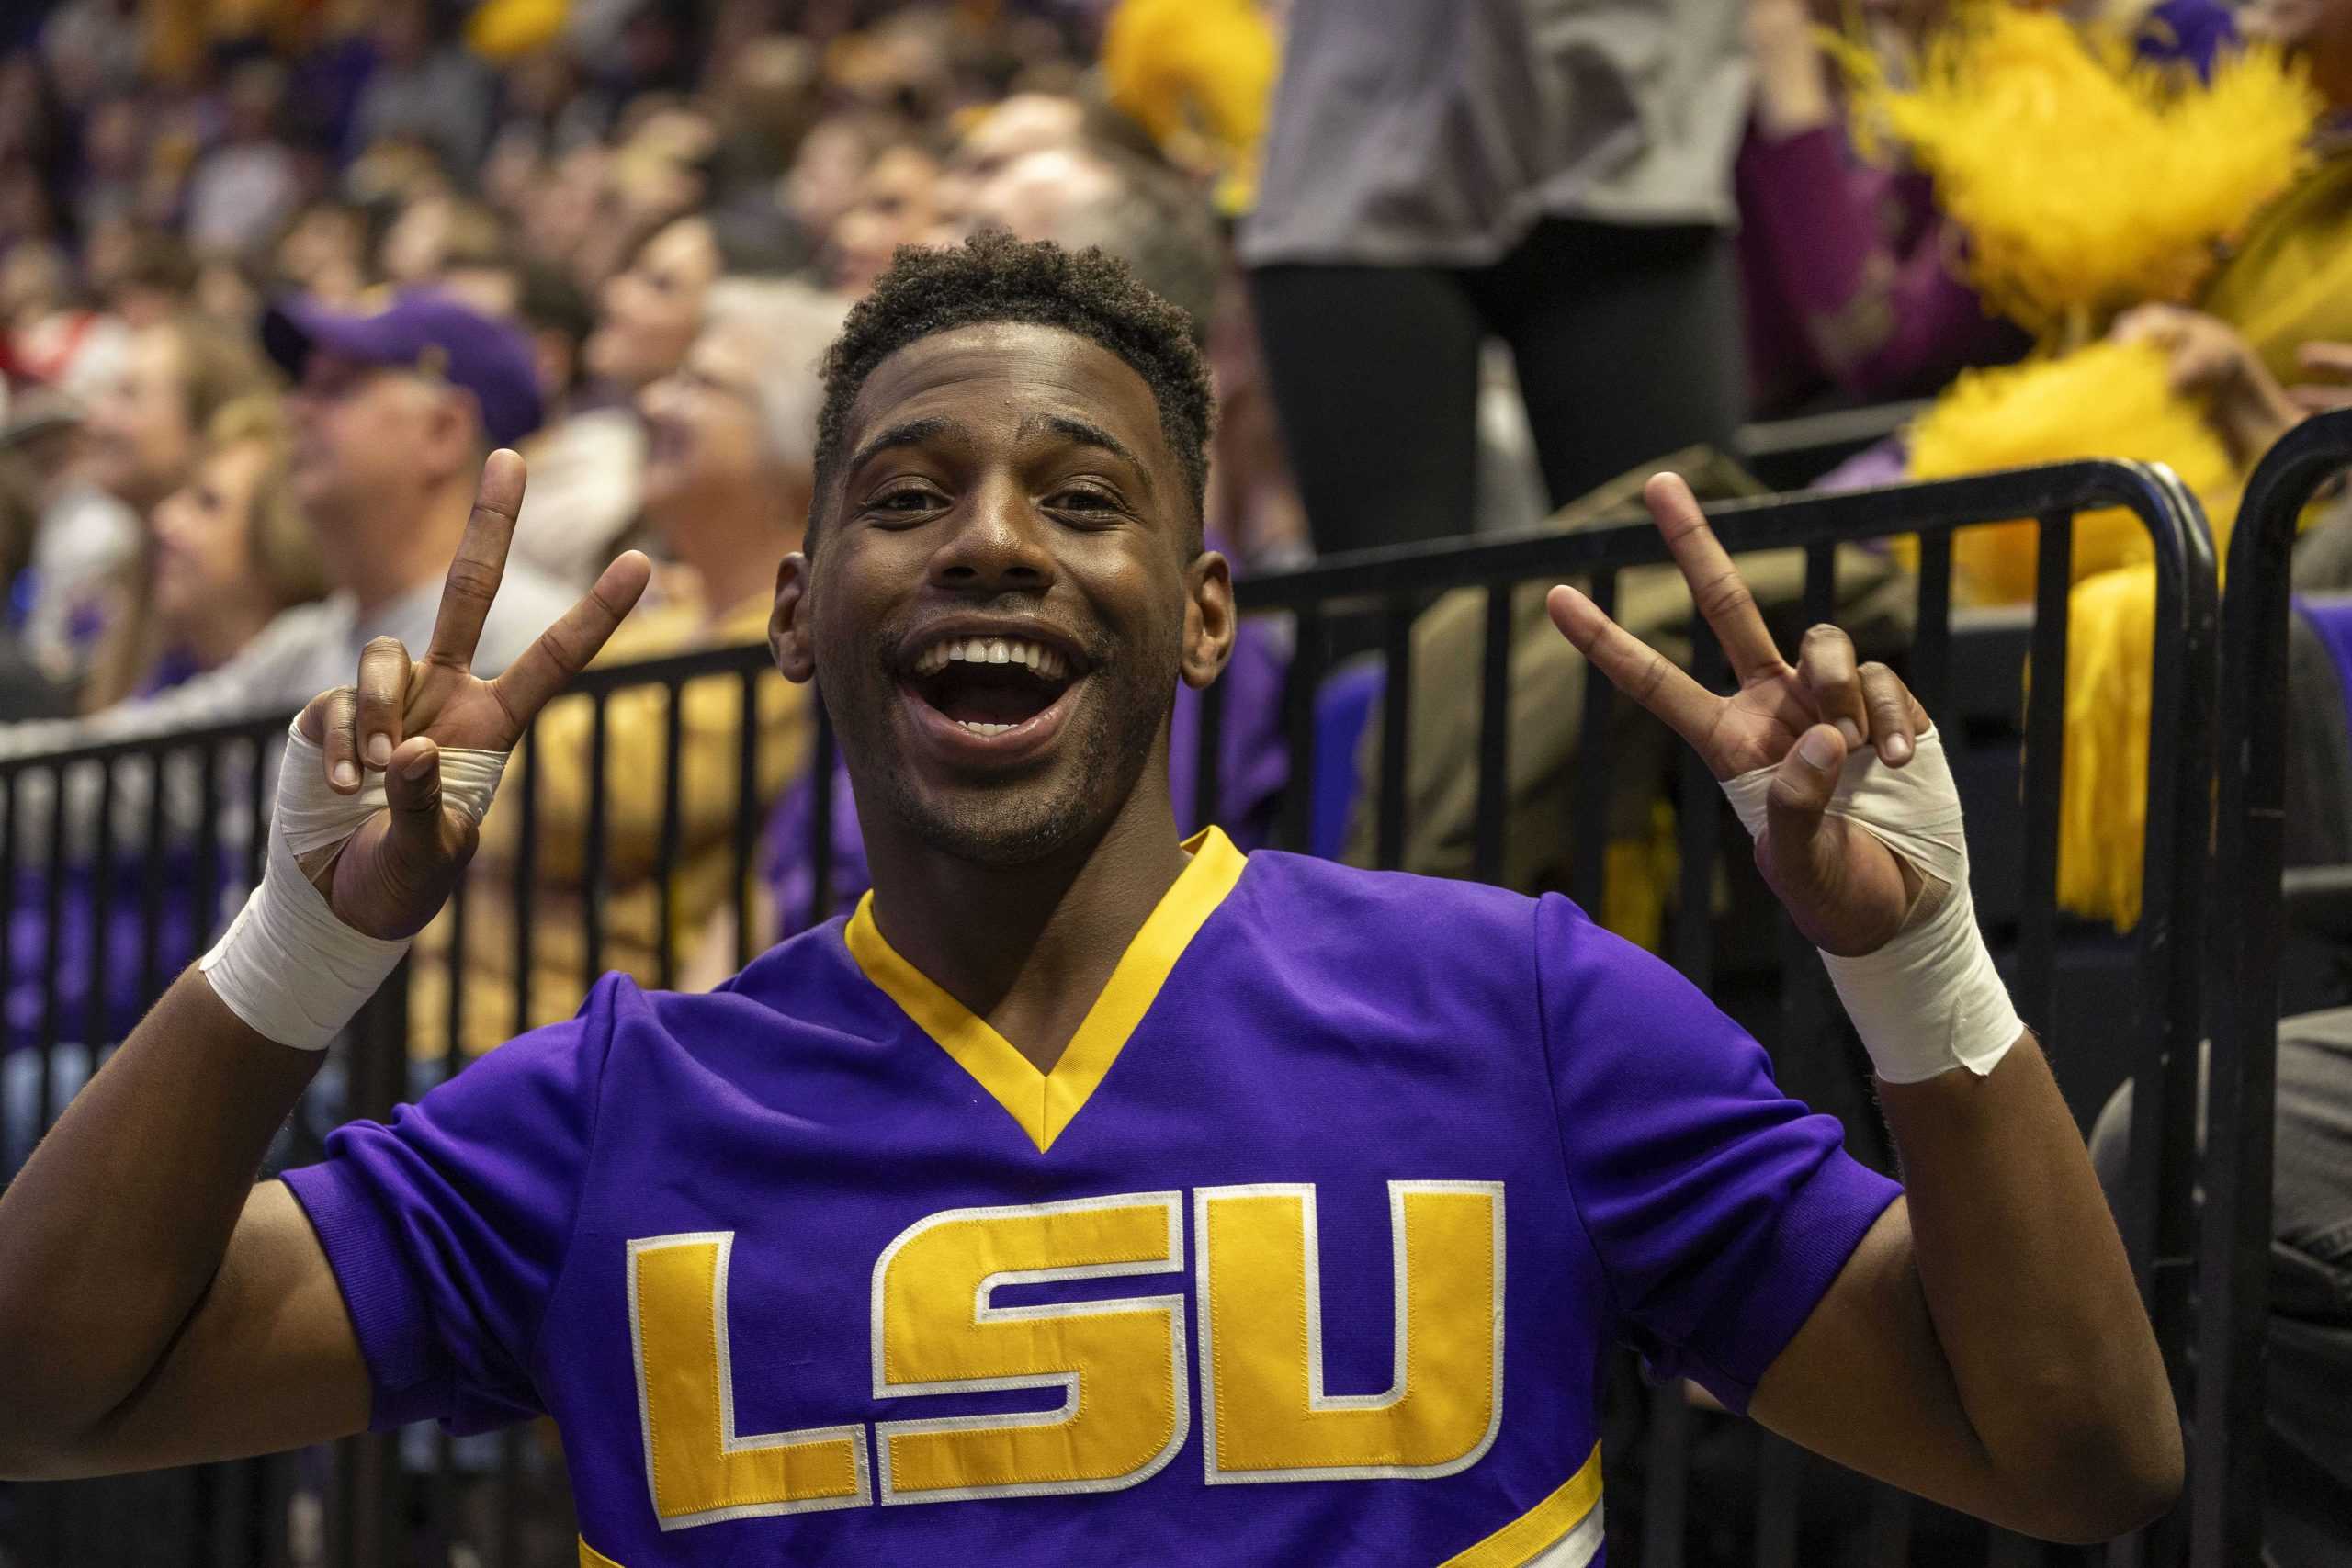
(380, 560)
(1029, 948)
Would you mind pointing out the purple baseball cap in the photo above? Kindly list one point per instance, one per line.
(422, 330)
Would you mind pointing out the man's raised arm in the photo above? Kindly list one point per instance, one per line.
(1984, 1345)
(157, 1307)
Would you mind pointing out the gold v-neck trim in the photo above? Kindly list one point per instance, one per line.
(1044, 1103)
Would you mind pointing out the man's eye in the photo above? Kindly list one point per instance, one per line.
(1082, 499)
(909, 499)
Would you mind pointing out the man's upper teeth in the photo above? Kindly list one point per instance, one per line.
(1040, 660)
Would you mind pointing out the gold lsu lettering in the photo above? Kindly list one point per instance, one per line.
(1118, 1364)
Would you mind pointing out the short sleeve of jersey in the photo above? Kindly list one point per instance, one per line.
(446, 1227)
(1721, 1209)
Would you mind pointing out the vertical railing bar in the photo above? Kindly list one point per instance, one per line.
(1779, 1474)
(11, 831)
(510, 1479)
(151, 881)
(1666, 1491)
(591, 869)
(1930, 666)
(1494, 734)
(2042, 775)
(206, 870)
(1698, 831)
(2172, 954)
(1208, 757)
(1889, 1527)
(257, 810)
(1588, 791)
(102, 876)
(1295, 828)
(665, 859)
(2227, 1483)
(443, 1497)
(526, 867)
(53, 925)
(821, 849)
(1395, 725)
(747, 783)
(453, 1049)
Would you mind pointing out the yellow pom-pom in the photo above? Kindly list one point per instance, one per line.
(2103, 793)
(2085, 183)
(2109, 400)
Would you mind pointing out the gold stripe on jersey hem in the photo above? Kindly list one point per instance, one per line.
(592, 1557)
(1531, 1537)
(1045, 1103)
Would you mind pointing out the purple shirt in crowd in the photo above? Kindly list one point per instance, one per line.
(1347, 1182)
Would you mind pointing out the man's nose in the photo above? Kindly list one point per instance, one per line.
(1001, 545)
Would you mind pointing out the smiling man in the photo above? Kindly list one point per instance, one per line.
(1118, 1198)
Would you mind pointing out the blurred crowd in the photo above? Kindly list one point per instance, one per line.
(275, 274)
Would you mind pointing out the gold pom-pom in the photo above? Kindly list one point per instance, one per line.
(2110, 399)
(2084, 182)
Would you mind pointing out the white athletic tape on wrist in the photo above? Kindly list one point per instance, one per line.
(286, 964)
(1929, 1000)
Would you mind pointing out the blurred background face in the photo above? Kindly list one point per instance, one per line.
(357, 431)
(1022, 124)
(1030, 196)
(826, 173)
(141, 442)
(702, 434)
(895, 206)
(203, 533)
(652, 308)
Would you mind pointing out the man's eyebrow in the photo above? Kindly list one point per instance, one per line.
(1086, 435)
(912, 433)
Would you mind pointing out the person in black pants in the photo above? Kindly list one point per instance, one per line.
(1553, 172)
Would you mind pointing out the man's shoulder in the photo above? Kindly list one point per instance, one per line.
(1377, 924)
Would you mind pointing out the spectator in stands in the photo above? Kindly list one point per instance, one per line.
(227, 552)
(1557, 175)
(728, 483)
(650, 312)
(144, 431)
(897, 205)
(391, 416)
(2307, 1444)
(586, 462)
(424, 86)
(830, 165)
(246, 184)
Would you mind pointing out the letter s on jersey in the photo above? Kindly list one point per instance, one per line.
(1119, 1362)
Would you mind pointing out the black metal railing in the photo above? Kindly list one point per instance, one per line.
(2226, 1481)
(408, 1497)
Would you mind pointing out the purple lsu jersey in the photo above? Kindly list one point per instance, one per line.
(1309, 1249)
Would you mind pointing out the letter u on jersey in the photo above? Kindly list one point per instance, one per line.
(937, 1330)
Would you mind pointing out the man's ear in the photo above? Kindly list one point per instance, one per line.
(788, 630)
(1209, 619)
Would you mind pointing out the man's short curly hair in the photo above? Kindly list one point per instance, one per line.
(994, 277)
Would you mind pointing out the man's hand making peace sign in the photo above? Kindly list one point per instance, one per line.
(1847, 890)
(1985, 1346)
(392, 875)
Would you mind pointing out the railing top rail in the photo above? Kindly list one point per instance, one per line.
(2286, 478)
(268, 724)
(2150, 491)
(259, 725)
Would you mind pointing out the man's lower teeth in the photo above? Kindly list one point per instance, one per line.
(979, 727)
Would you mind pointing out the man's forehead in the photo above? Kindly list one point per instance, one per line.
(999, 372)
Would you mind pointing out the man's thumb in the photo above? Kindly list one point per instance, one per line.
(412, 790)
(1793, 809)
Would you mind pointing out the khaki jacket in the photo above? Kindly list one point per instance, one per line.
(703, 881)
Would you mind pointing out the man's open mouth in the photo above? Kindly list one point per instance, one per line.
(991, 686)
